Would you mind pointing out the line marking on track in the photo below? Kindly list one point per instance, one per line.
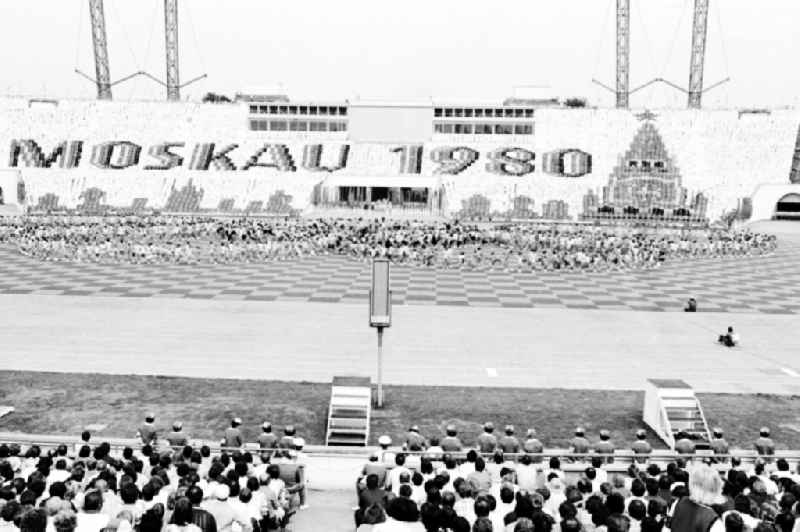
(491, 372)
(790, 372)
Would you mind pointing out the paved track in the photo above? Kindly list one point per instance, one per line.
(426, 345)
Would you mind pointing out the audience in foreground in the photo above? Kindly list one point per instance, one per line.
(438, 491)
(152, 489)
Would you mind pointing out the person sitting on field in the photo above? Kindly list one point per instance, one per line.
(729, 339)
(691, 305)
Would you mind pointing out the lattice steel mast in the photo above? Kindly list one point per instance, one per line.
(623, 53)
(102, 74)
(794, 173)
(171, 40)
(103, 79)
(699, 31)
(622, 90)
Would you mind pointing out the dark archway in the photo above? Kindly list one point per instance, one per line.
(788, 207)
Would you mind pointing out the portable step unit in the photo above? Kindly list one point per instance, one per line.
(671, 407)
(349, 412)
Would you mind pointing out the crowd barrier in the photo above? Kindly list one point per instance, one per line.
(622, 458)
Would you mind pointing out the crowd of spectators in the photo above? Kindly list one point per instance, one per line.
(529, 247)
(154, 487)
(500, 485)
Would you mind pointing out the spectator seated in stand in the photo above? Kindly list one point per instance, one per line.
(93, 488)
(646, 499)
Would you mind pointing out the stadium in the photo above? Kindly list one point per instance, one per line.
(585, 315)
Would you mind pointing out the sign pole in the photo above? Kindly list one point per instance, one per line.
(379, 399)
(380, 313)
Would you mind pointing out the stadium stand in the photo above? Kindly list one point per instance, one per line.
(685, 163)
(444, 491)
(145, 484)
(99, 487)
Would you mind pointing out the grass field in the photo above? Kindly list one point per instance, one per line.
(58, 403)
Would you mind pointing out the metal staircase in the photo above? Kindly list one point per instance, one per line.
(670, 407)
(349, 411)
(686, 415)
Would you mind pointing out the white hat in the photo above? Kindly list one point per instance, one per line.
(222, 492)
(384, 440)
(299, 442)
(237, 420)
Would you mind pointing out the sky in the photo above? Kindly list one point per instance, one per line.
(412, 50)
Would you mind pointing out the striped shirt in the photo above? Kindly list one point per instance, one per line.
(204, 520)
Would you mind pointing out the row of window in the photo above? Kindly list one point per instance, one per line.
(648, 165)
(296, 125)
(458, 112)
(484, 129)
(298, 110)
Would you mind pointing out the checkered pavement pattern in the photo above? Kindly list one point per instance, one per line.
(768, 284)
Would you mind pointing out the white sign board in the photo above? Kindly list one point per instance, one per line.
(380, 298)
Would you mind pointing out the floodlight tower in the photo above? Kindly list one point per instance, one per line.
(102, 75)
(699, 31)
(171, 39)
(623, 52)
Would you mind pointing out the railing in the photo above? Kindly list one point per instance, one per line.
(666, 426)
(705, 421)
(345, 210)
(647, 219)
(332, 468)
(46, 441)
(121, 213)
(399, 212)
(607, 220)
